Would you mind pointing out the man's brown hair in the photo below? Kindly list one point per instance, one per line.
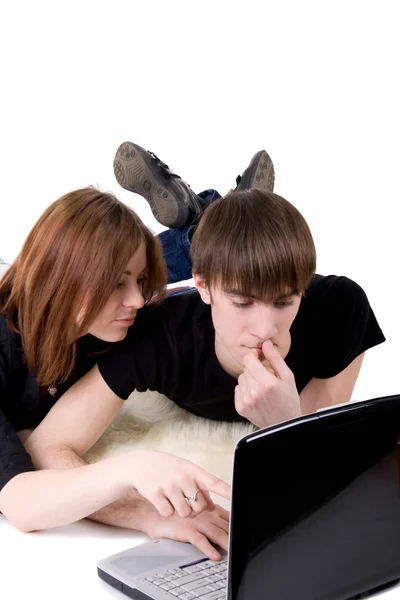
(72, 260)
(256, 243)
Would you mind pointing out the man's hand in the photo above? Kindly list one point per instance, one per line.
(199, 530)
(266, 393)
(135, 512)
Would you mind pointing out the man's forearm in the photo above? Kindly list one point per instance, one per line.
(130, 511)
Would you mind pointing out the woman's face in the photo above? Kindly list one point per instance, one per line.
(119, 312)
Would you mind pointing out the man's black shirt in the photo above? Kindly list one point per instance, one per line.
(171, 349)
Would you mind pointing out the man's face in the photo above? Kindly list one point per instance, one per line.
(243, 323)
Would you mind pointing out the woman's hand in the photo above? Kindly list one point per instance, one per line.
(172, 484)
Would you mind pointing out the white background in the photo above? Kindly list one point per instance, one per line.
(205, 85)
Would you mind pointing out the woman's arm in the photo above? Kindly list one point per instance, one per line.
(76, 422)
(35, 500)
(38, 500)
(43, 499)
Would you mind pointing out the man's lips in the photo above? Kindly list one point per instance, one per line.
(259, 348)
(260, 353)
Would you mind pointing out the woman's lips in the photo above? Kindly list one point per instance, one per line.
(127, 322)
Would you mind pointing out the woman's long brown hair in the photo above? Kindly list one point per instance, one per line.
(72, 260)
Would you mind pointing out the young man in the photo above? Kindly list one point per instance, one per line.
(261, 339)
(335, 324)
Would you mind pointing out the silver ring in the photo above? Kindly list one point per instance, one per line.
(192, 497)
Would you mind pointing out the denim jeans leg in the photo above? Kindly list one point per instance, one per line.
(207, 197)
(176, 244)
(176, 251)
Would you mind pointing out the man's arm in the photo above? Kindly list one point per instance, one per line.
(267, 395)
(320, 393)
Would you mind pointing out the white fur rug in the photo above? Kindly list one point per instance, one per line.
(149, 420)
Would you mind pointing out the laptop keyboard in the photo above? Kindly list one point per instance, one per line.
(206, 580)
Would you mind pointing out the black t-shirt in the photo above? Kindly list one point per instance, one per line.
(171, 350)
(22, 406)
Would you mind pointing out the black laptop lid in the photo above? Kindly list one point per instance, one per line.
(316, 506)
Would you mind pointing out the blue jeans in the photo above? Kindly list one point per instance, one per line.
(176, 244)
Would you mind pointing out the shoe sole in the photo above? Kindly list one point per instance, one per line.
(133, 173)
(260, 174)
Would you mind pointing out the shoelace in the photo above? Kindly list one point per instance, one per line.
(163, 166)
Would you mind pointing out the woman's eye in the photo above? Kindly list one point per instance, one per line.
(141, 280)
(120, 285)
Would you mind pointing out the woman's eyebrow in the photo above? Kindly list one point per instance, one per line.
(141, 273)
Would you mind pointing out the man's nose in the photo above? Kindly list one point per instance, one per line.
(263, 325)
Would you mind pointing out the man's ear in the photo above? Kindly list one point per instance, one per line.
(202, 287)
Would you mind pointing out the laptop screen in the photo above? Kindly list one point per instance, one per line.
(316, 507)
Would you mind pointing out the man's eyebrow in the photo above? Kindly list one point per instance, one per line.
(235, 292)
(239, 293)
(288, 295)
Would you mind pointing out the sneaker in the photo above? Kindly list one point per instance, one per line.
(172, 201)
(259, 174)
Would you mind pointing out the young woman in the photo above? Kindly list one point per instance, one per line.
(87, 267)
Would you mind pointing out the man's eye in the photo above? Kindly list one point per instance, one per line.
(242, 304)
(284, 303)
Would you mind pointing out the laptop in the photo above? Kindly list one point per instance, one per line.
(315, 515)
